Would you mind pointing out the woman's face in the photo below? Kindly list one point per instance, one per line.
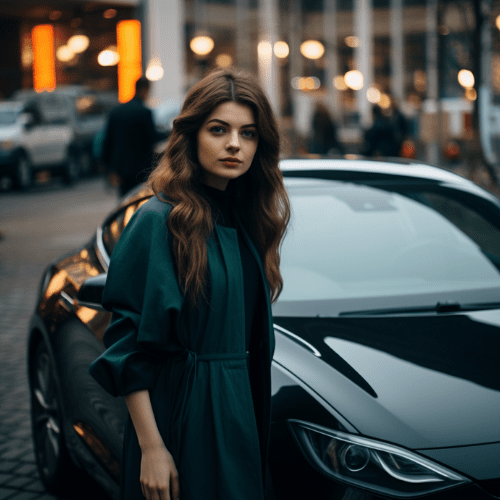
(227, 142)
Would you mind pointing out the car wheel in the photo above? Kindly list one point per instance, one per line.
(72, 171)
(55, 467)
(23, 173)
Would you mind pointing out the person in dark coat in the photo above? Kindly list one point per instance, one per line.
(399, 124)
(129, 140)
(190, 285)
(380, 139)
(324, 133)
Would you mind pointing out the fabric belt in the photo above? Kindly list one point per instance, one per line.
(217, 356)
(192, 368)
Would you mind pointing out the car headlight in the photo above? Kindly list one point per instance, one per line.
(371, 464)
(7, 145)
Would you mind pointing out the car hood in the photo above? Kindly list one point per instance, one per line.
(421, 381)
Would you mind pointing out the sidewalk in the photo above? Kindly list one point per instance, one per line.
(18, 474)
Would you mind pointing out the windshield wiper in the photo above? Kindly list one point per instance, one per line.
(440, 307)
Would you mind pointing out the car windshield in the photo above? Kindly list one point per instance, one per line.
(351, 243)
(8, 117)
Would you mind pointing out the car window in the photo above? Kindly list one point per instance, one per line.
(113, 227)
(350, 240)
(55, 109)
(473, 224)
(8, 117)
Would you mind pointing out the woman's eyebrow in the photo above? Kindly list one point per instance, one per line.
(227, 124)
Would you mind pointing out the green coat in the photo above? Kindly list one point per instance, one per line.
(193, 363)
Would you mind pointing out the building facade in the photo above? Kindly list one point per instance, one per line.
(407, 53)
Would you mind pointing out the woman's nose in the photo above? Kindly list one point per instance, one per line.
(233, 141)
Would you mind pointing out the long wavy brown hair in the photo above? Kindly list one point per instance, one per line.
(260, 196)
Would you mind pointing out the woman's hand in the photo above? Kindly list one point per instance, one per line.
(159, 477)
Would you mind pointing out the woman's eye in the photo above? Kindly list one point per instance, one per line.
(217, 129)
(249, 133)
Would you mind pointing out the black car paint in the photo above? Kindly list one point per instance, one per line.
(434, 348)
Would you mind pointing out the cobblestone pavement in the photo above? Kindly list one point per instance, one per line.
(35, 228)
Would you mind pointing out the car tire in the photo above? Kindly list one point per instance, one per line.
(55, 467)
(72, 169)
(23, 173)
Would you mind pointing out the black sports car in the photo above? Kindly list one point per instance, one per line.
(386, 375)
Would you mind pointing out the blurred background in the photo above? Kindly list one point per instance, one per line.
(435, 64)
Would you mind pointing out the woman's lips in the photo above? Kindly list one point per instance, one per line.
(231, 162)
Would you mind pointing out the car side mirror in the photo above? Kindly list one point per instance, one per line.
(90, 293)
(27, 120)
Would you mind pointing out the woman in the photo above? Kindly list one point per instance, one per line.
(190, 285)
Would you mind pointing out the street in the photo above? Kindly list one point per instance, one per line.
(36, 227)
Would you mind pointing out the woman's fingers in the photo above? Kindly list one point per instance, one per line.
(174, 486)
(155, 493)
(159, 477)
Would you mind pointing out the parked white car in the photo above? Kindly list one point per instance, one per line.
(32, 140)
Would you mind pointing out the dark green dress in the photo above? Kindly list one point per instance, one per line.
(194, 364)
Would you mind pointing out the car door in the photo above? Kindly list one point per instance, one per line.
(56, 128)
(33, 138)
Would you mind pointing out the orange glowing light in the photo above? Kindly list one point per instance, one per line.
(86, 314)
(128, 36)
(44, 64)
(408, 150)
(79, 430)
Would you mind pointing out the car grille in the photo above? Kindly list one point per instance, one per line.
(491, 486)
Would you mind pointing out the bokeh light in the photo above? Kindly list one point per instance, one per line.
(352, 41)
(27, 57)
(83, 104)
(64, 53)
(466, 78)
(44, 67)
(108, 57)
(471, 94)
(312, 49)
(129, 48)
(109, 13)
(385, 101)
(306, 83)
(373, 95)
(201, 45)
(78, 43)
(420, 80)
(224, 60)
(281, 50)
(264, 49)
(339, 83)
(154, 71)
(408, 150)
(354, 79)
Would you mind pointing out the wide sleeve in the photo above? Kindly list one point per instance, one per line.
(143, 294)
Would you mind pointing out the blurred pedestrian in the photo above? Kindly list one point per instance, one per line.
(324, 133)
(380, 139)
(127, 148)
(190, 285)
(399, 124)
